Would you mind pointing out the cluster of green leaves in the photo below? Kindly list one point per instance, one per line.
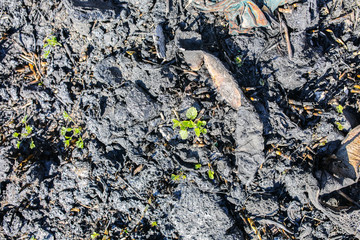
(177, 177)
(211, 174)
(198, 125)
(69, 133)
(96, 235)
(339, 126)
(25, 132)
(51, 42)
(339, 109)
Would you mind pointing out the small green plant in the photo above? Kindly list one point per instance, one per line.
(198, 125)
(238, 61)
(154, 224)
(339, 126)
(25, 132)
(177, 177)
(94, 235)
(32, 238)
(71, 132)
(197, 166)
(211, 174)
(339, 109)
(51, 42)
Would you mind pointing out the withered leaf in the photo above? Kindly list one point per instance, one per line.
(349, 154)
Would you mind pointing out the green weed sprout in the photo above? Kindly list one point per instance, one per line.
(177, 177)
(197, 166)
(238, 61)
(339, 109)
(24, 133)
(71, 132)
(94, 235)
(51, 42)
(211, 174)
(339, 126)
(198, 125)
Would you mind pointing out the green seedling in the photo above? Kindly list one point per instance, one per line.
(25, 132)
(177, 177)
(211, 174)
(154, 224)
(339, 126)
(238, 61)
(339, 109)
(94, 235)
(198, 125)
(51, 42)
(32, 238)
(197, 166)
(70, 133)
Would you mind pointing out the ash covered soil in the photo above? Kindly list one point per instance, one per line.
(87, 145)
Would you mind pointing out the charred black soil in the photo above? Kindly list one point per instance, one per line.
(88, 92)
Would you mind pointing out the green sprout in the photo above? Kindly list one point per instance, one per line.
(94, 235)
(51, 43)
(25, 132)
(339, 126)
(154, 224)
(211, 174)
(32, 238)
(177, 177)
(339, 109)
(70, 133)
(238, 61)
(197, 166)
(198, 125)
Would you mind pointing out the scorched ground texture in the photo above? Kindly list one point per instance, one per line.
(268, 157)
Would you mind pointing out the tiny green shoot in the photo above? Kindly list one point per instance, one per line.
(238, 61)
(25, 132)
(198, 125)
(94, 235)
(339, 126)
(51, 42)
(211, 174)
(339, 109)
(154, 224)
(70, 133)
(197, 166)
(177, 177)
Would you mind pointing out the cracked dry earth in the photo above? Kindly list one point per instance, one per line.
(88, 91)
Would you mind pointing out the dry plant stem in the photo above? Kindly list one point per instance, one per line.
(287, 39)
(279, 225)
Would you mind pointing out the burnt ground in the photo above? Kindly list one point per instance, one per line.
(134, 177)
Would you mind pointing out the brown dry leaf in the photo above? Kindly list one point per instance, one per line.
(223, 81)
(138, 169)
(349, 153)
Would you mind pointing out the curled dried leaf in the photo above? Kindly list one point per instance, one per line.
(349, 155)
(223, 81)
